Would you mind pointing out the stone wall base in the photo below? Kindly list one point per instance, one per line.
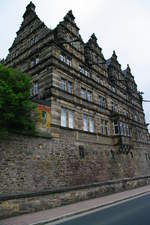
(31, 202)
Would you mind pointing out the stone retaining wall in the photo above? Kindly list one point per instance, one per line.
(13, 205)
(37, 165)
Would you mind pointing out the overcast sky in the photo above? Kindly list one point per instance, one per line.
(120, 25)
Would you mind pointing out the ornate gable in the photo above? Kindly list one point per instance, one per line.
(93, 52)
(28, 34)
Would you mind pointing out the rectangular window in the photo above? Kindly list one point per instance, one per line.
(70, 118)
(81, 69)
(114, 106)
(89, 96)
(102, 126)
(85, 122)
(62, 58)
(43, 117)
(83, 93)
(102, 102)
(69, 87)
(63, 117)
(63, 84)
(37, 60)
(116, 128)
(35, 88)
(67, 118)
(121, 128)
(65, 59)
(91, 124)
(86, 73)
(106, 127)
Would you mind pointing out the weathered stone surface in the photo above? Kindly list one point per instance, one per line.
(72, 157)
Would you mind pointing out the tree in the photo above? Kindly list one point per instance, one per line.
(16, 108)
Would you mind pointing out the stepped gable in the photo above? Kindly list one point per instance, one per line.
(68, 25)
(31, 30)
(93, 45)
(93, 52)
(127, 73)
(70, 17)
(114, 69)
(113, 62)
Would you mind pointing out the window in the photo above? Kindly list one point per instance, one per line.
(43, 117)
(66, 85)
(88, 123)
(35, 88)
(124, 129)
(83, 93)
(71, 41)
(91, 124)
(65, 59)
(116, 127)
(62, 58)
(89, 96)
(104, 127)
(81, 152)
(121, 128)
(85, 122)
(86, 94)
(63, 117)
(67, 118)
(63, 84)
(34, 40)
(102, 102)
(84, 71)
(69, 87)
(114, 106)
(81, 70)
(35, 61)
(70, 118)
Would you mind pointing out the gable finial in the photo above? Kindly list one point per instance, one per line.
(69, 16)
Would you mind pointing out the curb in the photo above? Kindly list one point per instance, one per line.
(86, 210)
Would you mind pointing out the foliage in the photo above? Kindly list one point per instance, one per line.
(16, 108)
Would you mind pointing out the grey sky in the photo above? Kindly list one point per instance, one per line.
(120, 25)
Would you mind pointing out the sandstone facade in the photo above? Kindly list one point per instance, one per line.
(92, 128)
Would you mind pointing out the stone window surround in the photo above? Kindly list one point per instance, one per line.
(104, 124)
(63, 58)
(67, 118)
(88, 123)
(66, 85)
(86, 94)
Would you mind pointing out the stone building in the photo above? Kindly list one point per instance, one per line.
(92, 112)
(88, 95)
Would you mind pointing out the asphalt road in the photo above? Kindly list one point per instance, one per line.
(133, 212)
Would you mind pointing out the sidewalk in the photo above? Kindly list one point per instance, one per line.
(51, 215)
